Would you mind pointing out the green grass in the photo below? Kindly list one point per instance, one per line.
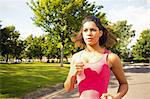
(16, 80)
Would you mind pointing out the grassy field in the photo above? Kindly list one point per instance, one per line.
(16, 80)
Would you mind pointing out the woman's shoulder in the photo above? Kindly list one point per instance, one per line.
(77, 54)
(113, 58)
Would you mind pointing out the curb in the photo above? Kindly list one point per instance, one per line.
(49, 96)
(43, 93)
(54, 94)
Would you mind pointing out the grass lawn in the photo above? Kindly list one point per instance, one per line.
(17, 80)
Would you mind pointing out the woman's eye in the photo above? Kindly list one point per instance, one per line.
(93, 30)
(85, 30)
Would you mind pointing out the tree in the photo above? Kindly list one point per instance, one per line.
(27, 52)
(61, 17)
(124, 33)
(51, 48)
(142, 47)
(37, 44)
(18, 49)
(34, 47)
(8, 41)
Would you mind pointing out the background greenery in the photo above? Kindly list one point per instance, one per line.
(17, 80)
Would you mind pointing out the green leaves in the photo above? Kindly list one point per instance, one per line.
(142, 47)
(34, 47)
(124, 33)
(10, 45)
(60, 17)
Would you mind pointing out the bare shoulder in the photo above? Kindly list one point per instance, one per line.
(74, 58)
(113, 59)
(77, 55)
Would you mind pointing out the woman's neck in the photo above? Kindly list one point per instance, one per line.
(93, 48)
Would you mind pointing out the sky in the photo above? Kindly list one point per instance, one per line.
(136, 12)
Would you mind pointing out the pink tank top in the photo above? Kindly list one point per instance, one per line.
(95, 76)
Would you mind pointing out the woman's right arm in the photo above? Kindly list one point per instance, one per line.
(71, 78)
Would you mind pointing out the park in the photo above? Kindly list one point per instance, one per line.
(37, 66)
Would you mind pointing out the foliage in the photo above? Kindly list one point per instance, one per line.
(10, 43)
(51, 48)
(124, 33)
(61, 17)
(142, 47)
(34, 47)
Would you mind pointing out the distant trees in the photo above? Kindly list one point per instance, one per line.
(10, 45)
(37, 47)
(124, 33)
(51, 47)
(34, 48)
(141, 50)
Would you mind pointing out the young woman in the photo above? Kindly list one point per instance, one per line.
(91, 66)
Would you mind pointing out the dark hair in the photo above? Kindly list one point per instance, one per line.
(104, 40)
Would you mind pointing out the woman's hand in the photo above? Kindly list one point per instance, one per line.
(79, 67)
(107, 96)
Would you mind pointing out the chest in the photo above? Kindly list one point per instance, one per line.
(94, 62)
(91, 58)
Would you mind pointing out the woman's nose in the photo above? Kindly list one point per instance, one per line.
(89, 32)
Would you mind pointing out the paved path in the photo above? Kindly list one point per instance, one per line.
(139, 85)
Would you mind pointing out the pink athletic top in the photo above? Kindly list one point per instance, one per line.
(94, 78)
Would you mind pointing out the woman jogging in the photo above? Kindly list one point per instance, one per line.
(91, 67)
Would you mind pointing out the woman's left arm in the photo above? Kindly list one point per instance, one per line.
(116, 67)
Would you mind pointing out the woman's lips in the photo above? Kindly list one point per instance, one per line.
(88, 39)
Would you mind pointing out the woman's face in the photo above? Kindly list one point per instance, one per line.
(91, 33)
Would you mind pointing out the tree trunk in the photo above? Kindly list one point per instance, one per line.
(48, 59)
(6, 58)
(62, 55)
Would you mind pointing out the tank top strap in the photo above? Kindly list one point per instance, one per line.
(106, 53)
